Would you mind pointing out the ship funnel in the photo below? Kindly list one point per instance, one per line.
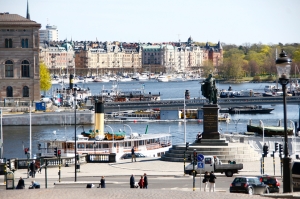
(99, 121)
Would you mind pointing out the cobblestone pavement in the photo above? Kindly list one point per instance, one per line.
(116, 193)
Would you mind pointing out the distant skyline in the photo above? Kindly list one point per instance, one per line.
(229, 21)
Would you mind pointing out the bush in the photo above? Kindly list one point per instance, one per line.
(256, 79)
(270, 78)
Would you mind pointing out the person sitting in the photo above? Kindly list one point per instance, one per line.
(199, 137)
(21, 184)
(34, 185)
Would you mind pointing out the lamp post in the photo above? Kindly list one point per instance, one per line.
(263, 130)
(283, 65)
(75, 93)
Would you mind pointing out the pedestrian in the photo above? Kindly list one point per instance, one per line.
(132, 182)
(205, 180)
(212, 181)
(32, 169)
(141, 182)
(102, 182)
(145, 181)
(133, 155)
(21, 184)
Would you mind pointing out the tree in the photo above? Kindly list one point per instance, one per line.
(208, 68)
(45, 78)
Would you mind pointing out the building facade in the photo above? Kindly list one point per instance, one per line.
(50, 34)
(19, 59)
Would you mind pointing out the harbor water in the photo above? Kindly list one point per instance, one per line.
(17, 137)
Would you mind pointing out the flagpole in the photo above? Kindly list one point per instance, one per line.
(30, 144)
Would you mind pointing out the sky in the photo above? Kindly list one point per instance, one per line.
(228, 21)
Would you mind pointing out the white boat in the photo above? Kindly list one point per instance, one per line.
(95, 142)
(142, 78)
(162, 78)
(125, 79)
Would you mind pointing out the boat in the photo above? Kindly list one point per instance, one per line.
(249, 110)
(100, 142)
(269, 130)
(224, 117)
(162, 78)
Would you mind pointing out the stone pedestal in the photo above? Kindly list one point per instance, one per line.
(210, 122)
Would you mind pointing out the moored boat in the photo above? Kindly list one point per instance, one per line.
(98, 142)
(269, 130)
(249, 110)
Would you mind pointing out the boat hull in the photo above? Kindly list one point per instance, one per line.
(250, 110)
(269, 131)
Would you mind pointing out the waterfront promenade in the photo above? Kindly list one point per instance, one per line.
(152, 166)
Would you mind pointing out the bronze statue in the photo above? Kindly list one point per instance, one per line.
(209, 89)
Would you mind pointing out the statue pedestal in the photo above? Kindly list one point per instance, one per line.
(210, 122)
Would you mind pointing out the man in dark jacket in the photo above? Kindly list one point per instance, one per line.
(145, 181)
(21, 184)
(133, 155)
(132, 182)
(212, 181)
(32, 169)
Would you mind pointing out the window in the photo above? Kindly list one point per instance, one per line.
(24, 43)
(9, 68)
(25, 91)
(9, 91)
(25, 68)
(8, 43)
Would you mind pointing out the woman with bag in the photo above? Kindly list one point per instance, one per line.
(205, 180)
(141, 182)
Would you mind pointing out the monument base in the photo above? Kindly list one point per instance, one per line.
(210, 121)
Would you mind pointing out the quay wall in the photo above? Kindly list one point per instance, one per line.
(55, 118)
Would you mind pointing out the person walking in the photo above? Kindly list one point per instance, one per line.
(212, 181)
(102, 182)
(205, 180)
(21, 184)
(32, 169)
(141, 182)
(145, 181)
(133, 155)
(132, 182)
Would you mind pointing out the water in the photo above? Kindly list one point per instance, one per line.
(15, 137)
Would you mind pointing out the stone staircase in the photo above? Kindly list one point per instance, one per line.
(238, 152)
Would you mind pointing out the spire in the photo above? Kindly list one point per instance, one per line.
(27, 14)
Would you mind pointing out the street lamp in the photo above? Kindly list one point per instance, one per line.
(263, 130)
(75, 94)
(283, 65)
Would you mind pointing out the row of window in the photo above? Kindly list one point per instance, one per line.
(9, 91)
(9, 43)
(9, 68)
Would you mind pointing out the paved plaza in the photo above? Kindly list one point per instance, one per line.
(151, 166)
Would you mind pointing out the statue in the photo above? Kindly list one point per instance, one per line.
(209, 89)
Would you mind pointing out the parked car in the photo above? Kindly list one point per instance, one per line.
(128, 156)
(250, 185)
(272, 182)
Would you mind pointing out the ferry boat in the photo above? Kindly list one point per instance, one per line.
(99, 142)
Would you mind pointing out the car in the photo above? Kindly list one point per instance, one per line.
(249, 185)
(272, 182)
(128, 156)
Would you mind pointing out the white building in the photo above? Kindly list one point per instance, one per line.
(50, 34)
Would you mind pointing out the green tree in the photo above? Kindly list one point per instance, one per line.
(45, 78)
(208, 68)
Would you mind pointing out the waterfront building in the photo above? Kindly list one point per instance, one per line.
(19, 59)
(58, 58)
(122, 58)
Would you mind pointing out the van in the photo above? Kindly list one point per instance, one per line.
(296, 175)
